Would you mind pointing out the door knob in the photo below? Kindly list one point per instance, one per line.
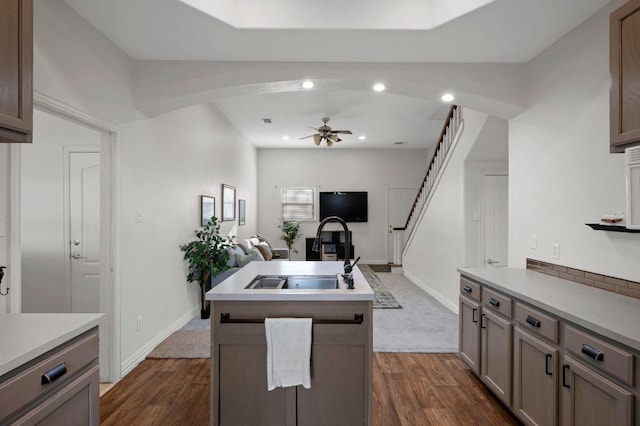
(76, 255)
(76, 242)
(492, 262)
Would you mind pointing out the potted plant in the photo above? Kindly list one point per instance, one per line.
(290, 231)
(207, 257)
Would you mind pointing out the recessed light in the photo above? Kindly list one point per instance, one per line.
(379, 87)
(285, 138)
(362, 137)
(447, 97)
(308, 84)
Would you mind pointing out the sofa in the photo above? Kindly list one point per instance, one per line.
(248, 250)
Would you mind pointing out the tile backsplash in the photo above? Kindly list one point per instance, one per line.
(605, 282)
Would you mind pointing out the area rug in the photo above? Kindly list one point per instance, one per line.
(191, 341)
(422, 325)
(383, 297)
(380, 268)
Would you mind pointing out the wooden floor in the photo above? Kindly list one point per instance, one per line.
(408, 389)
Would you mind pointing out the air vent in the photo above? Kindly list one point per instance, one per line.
(266, 120)
(632, 155)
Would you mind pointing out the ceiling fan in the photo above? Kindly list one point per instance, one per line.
(326, 133)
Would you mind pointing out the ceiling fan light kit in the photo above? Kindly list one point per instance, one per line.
(327, 134)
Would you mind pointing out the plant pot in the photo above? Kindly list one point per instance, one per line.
(205, 313)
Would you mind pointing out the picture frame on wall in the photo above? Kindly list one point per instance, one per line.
(228, 202)
(241, 211)
(207, 209)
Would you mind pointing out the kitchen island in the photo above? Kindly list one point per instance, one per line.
(341, 350)
(49, 368)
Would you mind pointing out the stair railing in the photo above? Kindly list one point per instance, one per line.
(447, 136)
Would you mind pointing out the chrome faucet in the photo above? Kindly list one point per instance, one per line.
(348, 266)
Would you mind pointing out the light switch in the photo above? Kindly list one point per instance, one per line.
(138, 216)
(533, 243)
(555, 250)
(476, 216)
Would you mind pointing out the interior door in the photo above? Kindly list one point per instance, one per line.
(84, 227)
(400, 202)
(496, 219)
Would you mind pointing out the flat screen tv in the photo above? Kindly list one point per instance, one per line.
(350, 206)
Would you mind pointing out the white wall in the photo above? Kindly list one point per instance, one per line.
(42, 175)
(373, 171)
(561, 173)
(164, 165)
(437, 248)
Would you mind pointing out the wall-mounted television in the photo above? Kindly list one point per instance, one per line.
(350, 206)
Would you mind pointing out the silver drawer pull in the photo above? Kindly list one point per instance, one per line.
(532, 321)
(494, 302)
(54, 374)
(467, 289)
(592, 352)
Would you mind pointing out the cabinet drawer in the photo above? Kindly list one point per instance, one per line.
(27, 385)
(470, 288)
(610, 359)
(496, 302)
(534, 320)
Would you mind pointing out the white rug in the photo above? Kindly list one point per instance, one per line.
(422, 325)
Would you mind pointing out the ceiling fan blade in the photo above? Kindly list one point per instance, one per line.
(306, 137)
(345, 132)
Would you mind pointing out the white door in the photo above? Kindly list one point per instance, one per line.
(84, 227)
(400, 202)
(496, 224)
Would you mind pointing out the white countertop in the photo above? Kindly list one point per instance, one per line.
(24, 337)
(233, 288)
(606, 313)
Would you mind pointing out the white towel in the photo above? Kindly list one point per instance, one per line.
(288, 352)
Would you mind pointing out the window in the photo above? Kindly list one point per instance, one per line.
(298, 203)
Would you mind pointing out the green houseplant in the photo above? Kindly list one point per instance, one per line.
(290, 231)
(207, 257)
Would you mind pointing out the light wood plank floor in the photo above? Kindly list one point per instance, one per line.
(408, 389)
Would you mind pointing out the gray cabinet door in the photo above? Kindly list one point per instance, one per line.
(337, 393)
(469, 333)
(589, 399)
(244, 398)
(495, 354)
(535, 379)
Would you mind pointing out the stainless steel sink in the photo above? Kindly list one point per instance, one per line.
(294, 282)
(308, 282)
(267, 282)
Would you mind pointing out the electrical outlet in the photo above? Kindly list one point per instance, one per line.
(139, 323)
(533, 243)
(555, 250)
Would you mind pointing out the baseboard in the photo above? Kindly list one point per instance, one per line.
(135, 359)
(433, 293)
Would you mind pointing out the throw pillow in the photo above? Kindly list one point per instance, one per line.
(243, 259)
(264, 250)
(243, 247)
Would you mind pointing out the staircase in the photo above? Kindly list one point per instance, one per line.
(446, 142)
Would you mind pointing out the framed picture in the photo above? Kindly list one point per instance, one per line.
(241, 211)
(207, 209)
(228, 202)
